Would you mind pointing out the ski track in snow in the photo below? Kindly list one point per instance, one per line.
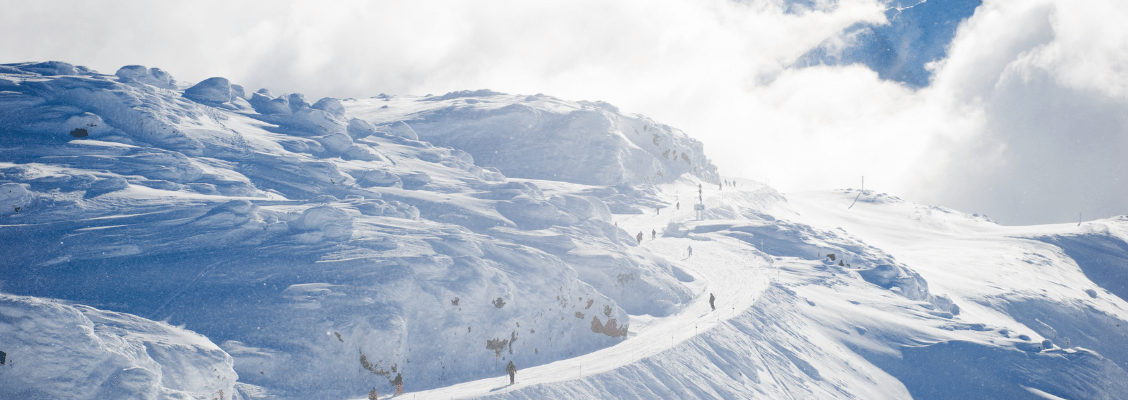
(733, 272)
(302, 238)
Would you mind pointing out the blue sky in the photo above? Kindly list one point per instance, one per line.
(1020, 119)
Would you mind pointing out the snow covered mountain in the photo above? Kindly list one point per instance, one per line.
(316, 250)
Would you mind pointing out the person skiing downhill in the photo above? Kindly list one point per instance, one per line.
(511, 370)
(711, 298)
(399, 384)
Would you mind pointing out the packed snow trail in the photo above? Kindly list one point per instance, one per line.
(346, 231)
(734, 272)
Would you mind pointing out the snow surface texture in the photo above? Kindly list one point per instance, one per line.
(327, 246)
(324, 253)
(536, 137)
(57, 351)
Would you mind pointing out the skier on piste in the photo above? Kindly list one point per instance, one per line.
(711, 298)
(511, 370)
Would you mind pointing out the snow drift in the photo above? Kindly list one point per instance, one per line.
(328, 246)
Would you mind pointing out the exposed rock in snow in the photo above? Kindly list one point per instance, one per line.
(323, 245)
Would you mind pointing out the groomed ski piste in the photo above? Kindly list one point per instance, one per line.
(720, 266)
(168, 240)
(810, 348)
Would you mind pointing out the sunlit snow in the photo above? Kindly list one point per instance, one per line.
(170, 240)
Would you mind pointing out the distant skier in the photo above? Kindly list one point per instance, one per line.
(639, 237)
(657, 211)
(677, 206)
(690, 250)
(711, 298)
(512, 371)
(373, 395)
(653, 234)
(399, 384)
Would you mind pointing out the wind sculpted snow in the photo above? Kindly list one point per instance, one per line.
(302, 241)
(328, 246)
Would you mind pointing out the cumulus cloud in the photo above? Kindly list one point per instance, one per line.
(1049, 79)
(1021, 121)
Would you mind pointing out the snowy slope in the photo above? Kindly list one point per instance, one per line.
(60, 351)
(301, 239)
(929, 303)
(542, 137)
(326, 246)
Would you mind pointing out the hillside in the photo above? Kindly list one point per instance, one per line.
(317, 249)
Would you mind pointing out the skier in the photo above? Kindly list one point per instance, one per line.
(677, 206)
(653, 234)
(639, 237)
(373, 395)
(690, 250)
(511, 370)
(711, 298)
(399, 384)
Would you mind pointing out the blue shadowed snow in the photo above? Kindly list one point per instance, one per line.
(300, 238)
(965, 370)
(296, 250)
(1103, 258)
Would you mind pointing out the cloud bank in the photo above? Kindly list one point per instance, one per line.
(1022, 121)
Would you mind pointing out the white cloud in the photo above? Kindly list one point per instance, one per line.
(1029, 90)
(1049, 79)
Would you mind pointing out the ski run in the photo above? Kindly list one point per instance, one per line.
(174, 240)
